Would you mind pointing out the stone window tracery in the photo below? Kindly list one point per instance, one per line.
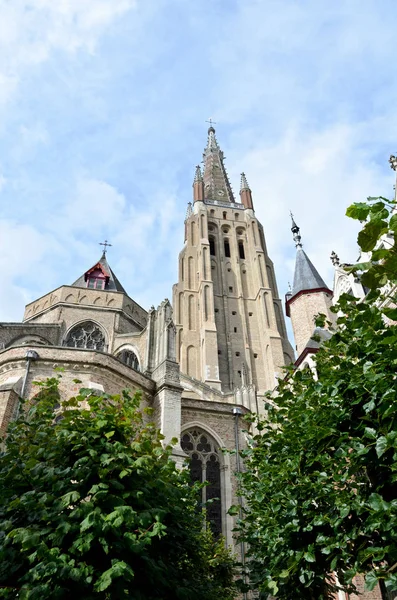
(86, 335)
(205, 466)
(130, 359)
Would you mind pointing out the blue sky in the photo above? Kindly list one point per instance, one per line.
(103, 106)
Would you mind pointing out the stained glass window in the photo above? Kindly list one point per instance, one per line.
(204, 466)
(86, 335)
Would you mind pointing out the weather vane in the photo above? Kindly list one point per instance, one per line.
(105, 245)
(211, 122)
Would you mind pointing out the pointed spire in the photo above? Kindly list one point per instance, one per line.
(188, 210)
(296, 232)
(215, 178)
(244, 183)
(245, 192)
(306, 276)
(101, 270)
(198, 176)
(212, 142)
(198, 185)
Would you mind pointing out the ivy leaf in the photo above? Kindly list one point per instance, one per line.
(381, 446)
(370, 234)
(359, 211)
(371, 581)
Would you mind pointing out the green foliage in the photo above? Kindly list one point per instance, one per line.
(320, 477)
(379, 221)
(92, 506)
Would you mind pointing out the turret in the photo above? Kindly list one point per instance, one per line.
(245, 192)
(198, 186)
(309, 296)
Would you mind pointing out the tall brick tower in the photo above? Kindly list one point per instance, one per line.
(230, 326)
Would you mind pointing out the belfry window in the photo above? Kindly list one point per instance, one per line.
(227, 248)
(212, 246)
(129, 358)
(204, 466)
(87, 336)
(241, 252)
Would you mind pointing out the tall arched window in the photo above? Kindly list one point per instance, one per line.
(205, 466)
(129, 358)
(86, 335)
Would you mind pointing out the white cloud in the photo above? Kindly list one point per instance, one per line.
(30, 32)
(316, 175)
(94, 204)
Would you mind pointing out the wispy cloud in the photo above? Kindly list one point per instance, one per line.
(102, 110)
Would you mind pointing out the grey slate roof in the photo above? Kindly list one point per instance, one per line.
(113, 284)
(306, 276)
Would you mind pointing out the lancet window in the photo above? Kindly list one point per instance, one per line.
(86, 335)
(129, 358)
(205, 466)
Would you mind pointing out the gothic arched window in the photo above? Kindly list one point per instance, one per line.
(204, 466)
(86, 335)
(129, 358)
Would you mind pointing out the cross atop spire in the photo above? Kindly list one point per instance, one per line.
(105, 245)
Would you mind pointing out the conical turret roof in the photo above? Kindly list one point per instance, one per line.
(112, 283)
(306, 276)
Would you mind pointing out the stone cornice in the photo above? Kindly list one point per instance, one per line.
(73, 359)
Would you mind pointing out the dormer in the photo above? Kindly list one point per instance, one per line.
(97, 278)
(100, 277)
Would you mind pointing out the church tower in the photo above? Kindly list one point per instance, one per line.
(230, 328)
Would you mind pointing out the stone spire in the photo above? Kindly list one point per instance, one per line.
(216, 181)
(244, 183)
(198, 176)
(198, 185)
(245, 192)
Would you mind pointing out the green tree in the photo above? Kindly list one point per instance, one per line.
(92, 506)
(321, 474)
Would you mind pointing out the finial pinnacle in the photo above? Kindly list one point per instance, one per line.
(189, 210)
(212, 143)
(335, 259)
(296, 232)
(244, 183)
(198, 176)
(211, 128)
(393, 162)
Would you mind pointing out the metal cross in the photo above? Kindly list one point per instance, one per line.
(105, 245)
(211, 122)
